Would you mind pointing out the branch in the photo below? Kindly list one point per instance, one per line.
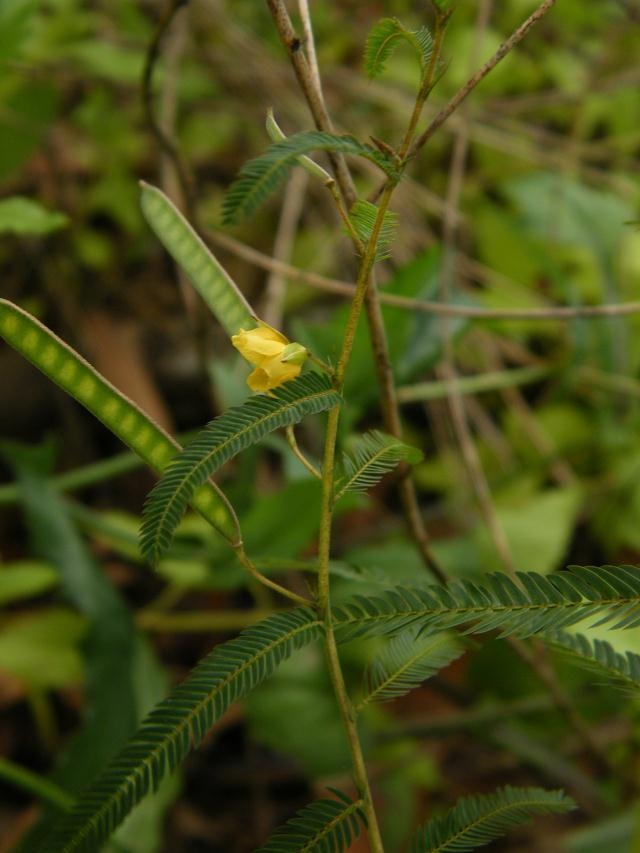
(347, 289)
(164, 140)
(505, 48)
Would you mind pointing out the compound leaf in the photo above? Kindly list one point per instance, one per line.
(408, 660)
(385, 37)
(178, 724)
(475, 821)
(374, 454)
(263, 175)
(223, 438)
(600, 658)
(326, 826)
(609, 594)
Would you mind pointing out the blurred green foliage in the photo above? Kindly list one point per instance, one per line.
(548, 192)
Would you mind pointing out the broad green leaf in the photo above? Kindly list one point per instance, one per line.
(26, 579)
(178, 724)
(122, 677)
(212, 282)
(538, 526)
(373, 455)
(301, 690)
(43, 649)
(617, 834)
(326, 826)
(608, 594)
(74, 375)
(24, 216)
(386, 36)
(262, 176)
(476, 820)
(26, 116)
(223, 438)
(577, 213)
(110, 640)
(16, 17)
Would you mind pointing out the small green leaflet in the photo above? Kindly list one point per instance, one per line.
(326, 826)
(372, 456)
(385, 37)
(408, 659)
(363, 215)
(476, 820)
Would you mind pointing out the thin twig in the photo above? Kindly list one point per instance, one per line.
(312, 93)
(275, 289)
(311, 87)
(293, 444)
(309, 42)
(472, 312)
(164, 141)
(505, 48)
(151, 619)
(248, 565)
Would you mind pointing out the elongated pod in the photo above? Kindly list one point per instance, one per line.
(71, 372)
(210, 279)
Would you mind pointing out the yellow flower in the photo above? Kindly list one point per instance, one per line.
(274, 358)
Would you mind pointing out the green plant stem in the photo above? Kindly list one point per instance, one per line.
(153, 619)
(89, 475)
(494, 381)
(426, 84)
(246, 563)
(504, 49)
(41, 788)
(324, 543)
(293, 444)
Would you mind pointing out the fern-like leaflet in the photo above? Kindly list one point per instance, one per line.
(363, 215)
(475, 821)
(178, 724)
(263, 175)
(326, 826)
(223, 438)
(373, 455)
(407, 661)
(608, 594)
(383, 39)
(600, 658)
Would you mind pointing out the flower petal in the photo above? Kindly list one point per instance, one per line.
(260, 343)
(272, 373)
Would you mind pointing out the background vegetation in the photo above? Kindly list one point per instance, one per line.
(524, 202)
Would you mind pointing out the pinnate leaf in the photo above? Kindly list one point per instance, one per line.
(263, 175)
(373, 455)
(223, 438)
(178, 724)
(326, 826)
(475, 821)
(385, 37)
